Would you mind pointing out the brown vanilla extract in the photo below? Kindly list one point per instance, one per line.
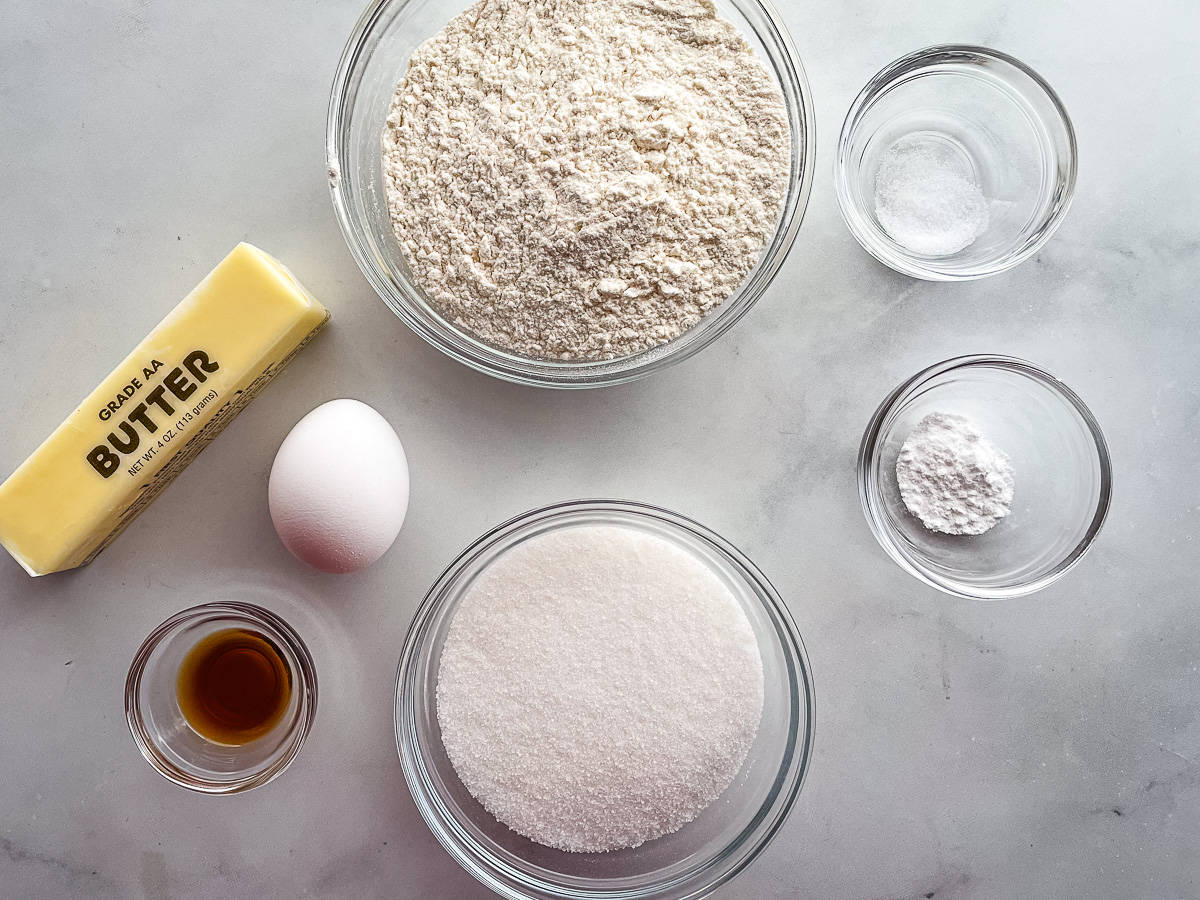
(234, 686)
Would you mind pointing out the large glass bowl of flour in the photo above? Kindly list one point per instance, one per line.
(704, 853)
(375, 59)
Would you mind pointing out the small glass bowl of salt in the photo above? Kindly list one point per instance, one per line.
(954, 163)
(985, 477)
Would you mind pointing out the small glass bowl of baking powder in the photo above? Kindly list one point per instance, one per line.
(374, 60)
(1062, 477)
(689, 863)
(954, 163)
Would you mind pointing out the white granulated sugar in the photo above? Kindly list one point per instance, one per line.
(952, 478)
(598, 688)
(584, 179)
(925, 200)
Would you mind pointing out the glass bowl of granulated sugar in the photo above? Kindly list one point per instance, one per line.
(603, 699)
(954, 163)
(985, 477)
(570, 195)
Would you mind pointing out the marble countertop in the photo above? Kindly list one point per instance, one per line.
(1044, 747)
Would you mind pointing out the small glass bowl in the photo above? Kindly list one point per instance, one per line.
(692, 862)
(1001, 125)
(374, 61)
(164, 736)
(1061, 470)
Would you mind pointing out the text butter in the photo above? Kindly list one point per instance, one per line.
(160, 407)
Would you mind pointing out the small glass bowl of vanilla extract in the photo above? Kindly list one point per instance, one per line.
(220, 697)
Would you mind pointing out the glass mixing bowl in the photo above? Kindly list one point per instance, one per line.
(374, 61)
(1061, 470)
(692, 862)
(990, 116)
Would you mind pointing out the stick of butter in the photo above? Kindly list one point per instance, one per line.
(160, 407)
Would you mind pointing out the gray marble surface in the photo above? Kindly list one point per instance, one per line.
(1046, 747)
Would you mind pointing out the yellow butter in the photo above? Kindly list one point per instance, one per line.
(160, 407)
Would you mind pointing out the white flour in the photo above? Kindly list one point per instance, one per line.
(598, 688)
(584, 179)
(952, 478)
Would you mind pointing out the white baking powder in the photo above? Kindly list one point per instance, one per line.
(599, 686)
(952, 478)
(584, 179)
(926, 200)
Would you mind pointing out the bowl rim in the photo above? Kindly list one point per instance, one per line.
(859, 224)
(786, 69)
(869, 495)
(698, 882)
(304, 682)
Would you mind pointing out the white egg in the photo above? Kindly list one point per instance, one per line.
(339, 487)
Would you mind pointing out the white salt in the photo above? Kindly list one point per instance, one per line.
(598, 688)
(926, 198)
